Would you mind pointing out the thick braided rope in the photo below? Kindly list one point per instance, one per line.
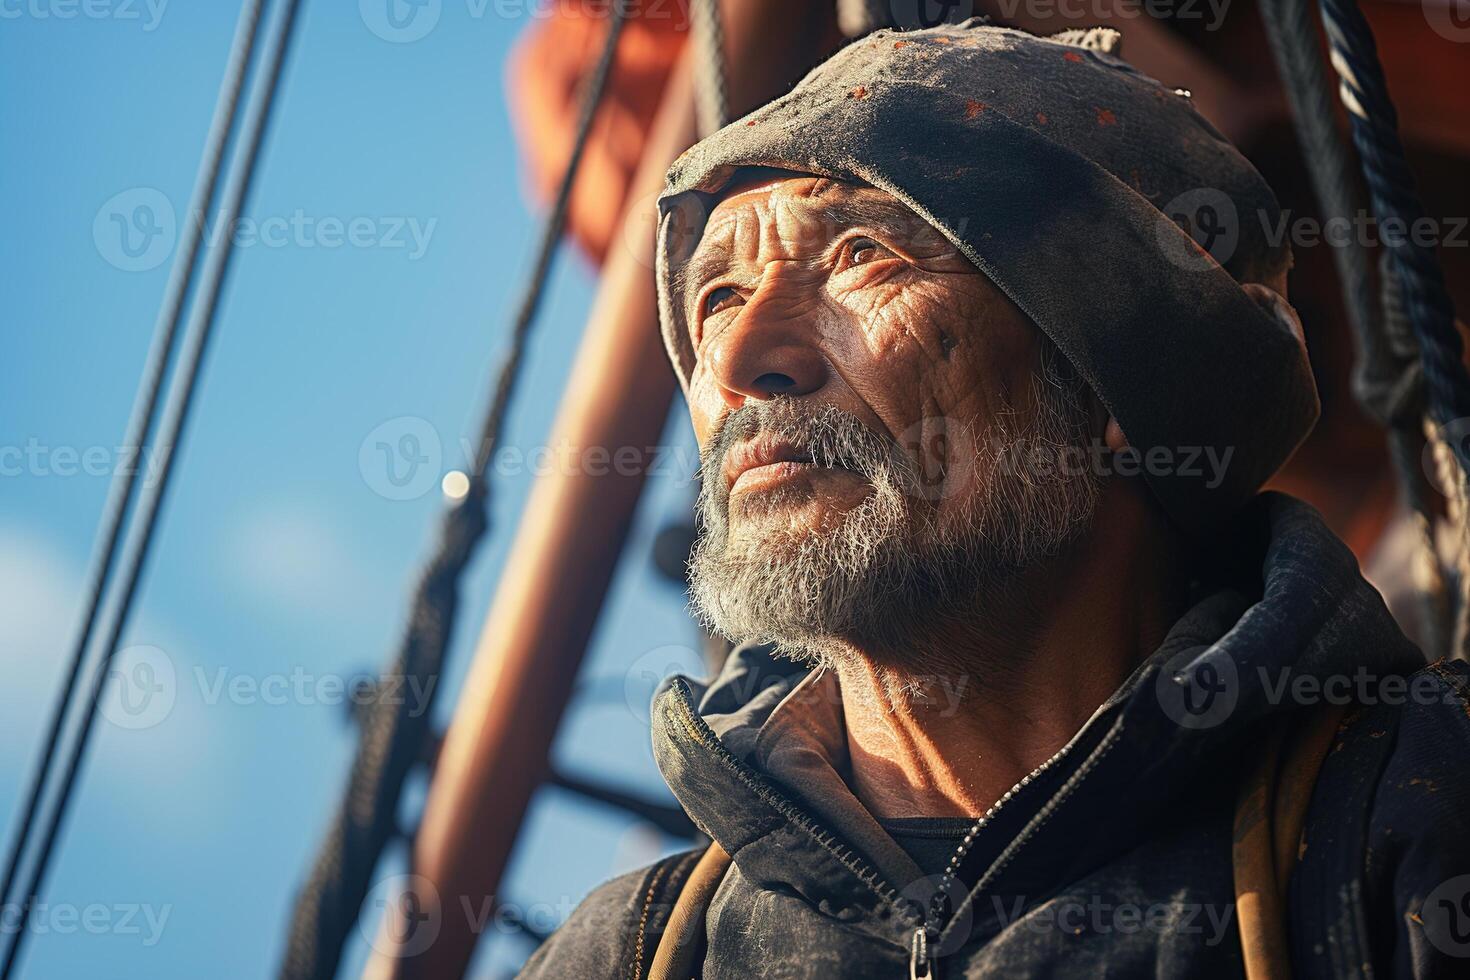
(1364, 93)
(1388, 382)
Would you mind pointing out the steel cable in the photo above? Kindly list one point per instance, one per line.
(200, 328)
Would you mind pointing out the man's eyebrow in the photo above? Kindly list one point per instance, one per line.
(885, 211)
(707, 262)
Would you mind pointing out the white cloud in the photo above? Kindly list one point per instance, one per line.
(292, 555)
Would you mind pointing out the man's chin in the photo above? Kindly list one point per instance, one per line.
(790, 512)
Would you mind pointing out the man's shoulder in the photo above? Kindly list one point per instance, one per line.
(615, 930)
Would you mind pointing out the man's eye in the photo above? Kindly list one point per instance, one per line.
(721, 299)
(862, 250)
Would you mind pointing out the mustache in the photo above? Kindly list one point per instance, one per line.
(830, 436)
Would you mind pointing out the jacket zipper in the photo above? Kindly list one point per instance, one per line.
(921, 961)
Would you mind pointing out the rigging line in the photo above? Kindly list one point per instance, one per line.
(1426, 301)
(711, 102)
(1388, 382)
(200, 328)
(389, 746)
(1422, 293)
(140, 425)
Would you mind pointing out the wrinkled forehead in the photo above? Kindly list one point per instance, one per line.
(763, 213)
(792, 209)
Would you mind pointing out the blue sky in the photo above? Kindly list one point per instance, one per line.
(283, 560)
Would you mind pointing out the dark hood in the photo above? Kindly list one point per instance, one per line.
(791, 824)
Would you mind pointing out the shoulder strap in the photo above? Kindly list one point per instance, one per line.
(1270, 813)
(683, 935)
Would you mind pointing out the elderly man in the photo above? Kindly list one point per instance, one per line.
(1035, 681)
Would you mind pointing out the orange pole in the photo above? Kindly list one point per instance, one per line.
(495, 753)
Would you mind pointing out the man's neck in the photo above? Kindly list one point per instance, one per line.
(950, 742)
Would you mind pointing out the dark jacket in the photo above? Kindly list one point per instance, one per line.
(1114, 858)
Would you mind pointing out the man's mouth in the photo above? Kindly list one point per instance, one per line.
(766, 459)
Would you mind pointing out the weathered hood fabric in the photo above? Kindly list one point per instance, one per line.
(1116, 860)
(1050, 166)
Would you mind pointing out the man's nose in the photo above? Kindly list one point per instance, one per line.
(772, 347)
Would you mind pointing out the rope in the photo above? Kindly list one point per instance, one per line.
(1421, 289)
(711, 102)
(392, 735)
(200, 328)
(1391, 189)
(1457, 499)
(140, 425)
(1388, 382)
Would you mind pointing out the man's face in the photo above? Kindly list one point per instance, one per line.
(856, 384)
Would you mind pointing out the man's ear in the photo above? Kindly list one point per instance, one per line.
(1277, 305)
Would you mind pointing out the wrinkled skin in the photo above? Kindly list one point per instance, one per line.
(825, 291)
(837, 296)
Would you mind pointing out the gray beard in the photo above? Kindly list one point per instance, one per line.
(888, 577)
